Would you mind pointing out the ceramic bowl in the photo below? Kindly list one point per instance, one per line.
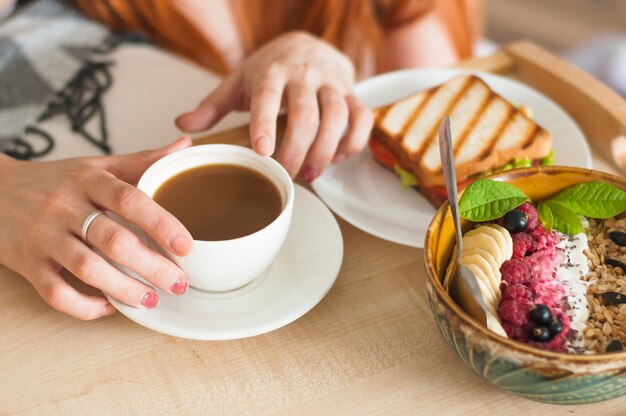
(510, 365)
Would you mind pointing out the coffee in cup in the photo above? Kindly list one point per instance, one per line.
(236, 204)
(220, 202)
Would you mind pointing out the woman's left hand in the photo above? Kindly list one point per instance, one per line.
(314, 80)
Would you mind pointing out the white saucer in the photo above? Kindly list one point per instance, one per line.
(303, 272)
(370, 197)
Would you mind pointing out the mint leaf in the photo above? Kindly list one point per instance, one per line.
(487, 199)
(560, 218)
(593, 199)
(545, 216)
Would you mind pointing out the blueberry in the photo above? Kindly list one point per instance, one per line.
(540, 314)
(614, 346)
(614, 298)
(540, 334)
(555, 327)
(515, 221)
(618, 237)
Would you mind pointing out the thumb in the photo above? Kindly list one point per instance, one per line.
(212, 109)
(129, 168)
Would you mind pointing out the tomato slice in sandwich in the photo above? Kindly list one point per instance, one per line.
(384, 156)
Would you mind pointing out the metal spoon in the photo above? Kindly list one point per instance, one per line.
(462, 284)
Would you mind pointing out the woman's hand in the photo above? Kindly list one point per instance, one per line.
(42, 211)
(325, 121)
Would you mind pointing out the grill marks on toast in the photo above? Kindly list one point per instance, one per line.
(483, 137)
(487, 130)
(425, 97)
(531, 137)
(394, 119)
(519, 130)
(464, 115)
(497, 132)
(473, 119)
(418, 134)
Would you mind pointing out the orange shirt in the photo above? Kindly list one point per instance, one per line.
(172, 23)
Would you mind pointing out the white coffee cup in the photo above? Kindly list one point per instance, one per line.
(227, 264)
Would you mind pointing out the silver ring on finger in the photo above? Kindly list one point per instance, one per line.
(87, 223)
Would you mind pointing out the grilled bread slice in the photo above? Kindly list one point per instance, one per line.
(487, 130)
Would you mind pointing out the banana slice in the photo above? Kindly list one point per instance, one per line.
(486, 248)
(490, 258)
(486, 294)
(496, 235)
(493, 323)
(507, 237)
(491, 294)
(492, 277)
(508, 247)
(484, 241)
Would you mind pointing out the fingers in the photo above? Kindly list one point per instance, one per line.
(332, 127)
(92, 269)
(125, 248)
(211, 110)
(129, 168)
(265, 104)
(302, 125)
(137, 208)
(337, 113)
(63, 297)
(361, 121)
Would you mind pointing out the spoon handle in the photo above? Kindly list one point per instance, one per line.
(449, 173)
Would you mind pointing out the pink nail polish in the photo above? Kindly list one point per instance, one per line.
(309, 173)
(179, 287)
(150, 300)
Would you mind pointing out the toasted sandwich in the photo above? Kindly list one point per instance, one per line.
(488, 134)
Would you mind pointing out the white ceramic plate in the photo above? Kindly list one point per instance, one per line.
(369, 196)
(303, 272)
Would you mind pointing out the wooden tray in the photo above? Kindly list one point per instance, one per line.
(370, 347)
(598, 110)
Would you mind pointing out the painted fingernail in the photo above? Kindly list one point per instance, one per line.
(180, 244)
(262, 145)
(180, 286)
(339, 157)
(150, 300)
(309, 173)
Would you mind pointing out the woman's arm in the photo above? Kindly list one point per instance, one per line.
(442, 36)
(425, 42)
(202, 31)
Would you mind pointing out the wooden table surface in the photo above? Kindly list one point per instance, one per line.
(370, 347)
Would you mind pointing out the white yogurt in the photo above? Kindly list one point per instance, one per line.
(572, 266)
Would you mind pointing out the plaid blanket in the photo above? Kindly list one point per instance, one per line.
(52, 63)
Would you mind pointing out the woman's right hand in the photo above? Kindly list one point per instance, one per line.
(326, 122)
(42, 211)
